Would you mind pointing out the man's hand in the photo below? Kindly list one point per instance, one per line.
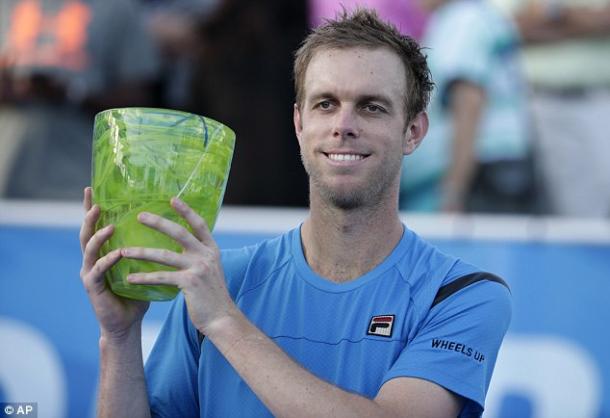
(199, 273)
(116, 315)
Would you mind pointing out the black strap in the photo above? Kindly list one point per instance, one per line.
(200, 337)
(449, 289)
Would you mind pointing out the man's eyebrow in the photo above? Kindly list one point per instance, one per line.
(378, 98)
(321, 95)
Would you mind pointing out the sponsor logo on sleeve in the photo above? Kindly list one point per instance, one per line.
(463, 349)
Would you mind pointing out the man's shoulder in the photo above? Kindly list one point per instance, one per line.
(423, 260)
(434, 275)
(468, 20)
(466, 286)
(461, 12)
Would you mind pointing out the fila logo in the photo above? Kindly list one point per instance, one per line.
(381, 325)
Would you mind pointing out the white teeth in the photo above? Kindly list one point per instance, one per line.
(345, 157)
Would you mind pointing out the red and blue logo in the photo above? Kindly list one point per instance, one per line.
(381, 325)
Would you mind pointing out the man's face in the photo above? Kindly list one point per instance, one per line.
(352, 127)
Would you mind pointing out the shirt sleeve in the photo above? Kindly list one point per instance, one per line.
(457, 345)
(172, 367)
(460, 49)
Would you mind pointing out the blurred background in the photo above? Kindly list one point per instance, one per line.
(513, 175)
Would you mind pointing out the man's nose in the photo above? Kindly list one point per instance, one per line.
(346, 124)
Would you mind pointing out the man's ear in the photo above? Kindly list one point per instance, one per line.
(298, 123)
(415, 132)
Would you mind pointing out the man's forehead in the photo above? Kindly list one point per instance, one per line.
(361, 51)
(367, 69)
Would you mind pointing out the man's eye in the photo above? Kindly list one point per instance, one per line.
(324, 105)
(373, 108)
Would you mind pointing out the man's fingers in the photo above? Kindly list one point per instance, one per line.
(169, 228)
(94, 279)
(87, 198)
(161, 256)
(92, 247)
(197, 223)
(168, 278)
(87, 228)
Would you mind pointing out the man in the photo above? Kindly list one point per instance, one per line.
(60, 62)
(566, 59)
(476, 156)
(340, 317)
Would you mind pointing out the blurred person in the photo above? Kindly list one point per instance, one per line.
(407, 15)
(350, 314)
(476, 158)
(567, 63)
(244, 57)
(173, 25)
(60, 62)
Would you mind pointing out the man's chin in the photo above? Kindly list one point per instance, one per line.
(345, 200)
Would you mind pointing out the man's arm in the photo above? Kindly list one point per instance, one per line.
(289, 390)
(286, 388)
(466, 103)
(550, 22)
(122, 389)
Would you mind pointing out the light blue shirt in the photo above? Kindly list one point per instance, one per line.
(356, 335)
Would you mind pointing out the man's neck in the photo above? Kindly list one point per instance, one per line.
(342, 245)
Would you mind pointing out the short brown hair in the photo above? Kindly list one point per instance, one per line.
(363, 28)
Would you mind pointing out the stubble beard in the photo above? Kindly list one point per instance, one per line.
(355, 198)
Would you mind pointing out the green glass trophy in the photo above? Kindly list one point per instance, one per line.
(142, 157)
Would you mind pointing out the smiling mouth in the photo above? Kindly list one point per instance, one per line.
(345, 157)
